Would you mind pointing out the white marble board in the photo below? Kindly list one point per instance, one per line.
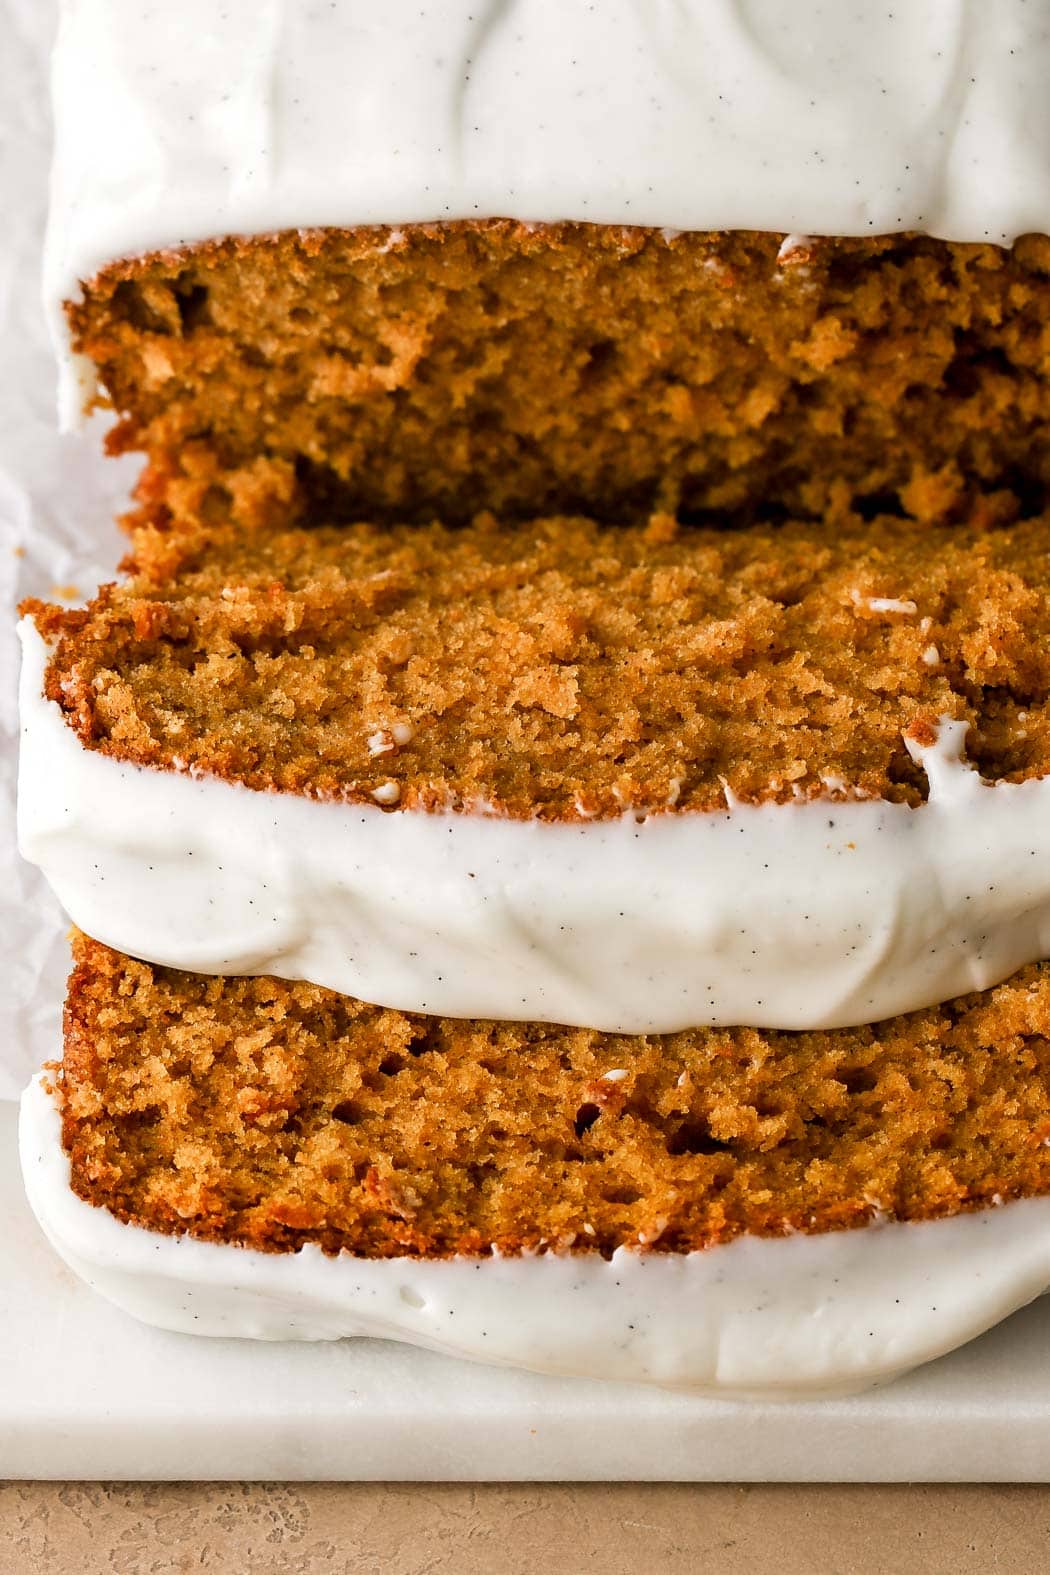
(87, 1393)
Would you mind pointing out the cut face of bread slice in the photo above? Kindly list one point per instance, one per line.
(282, 1160)
(637, 779)
(277, 323)
(565, 671)
(440, 370)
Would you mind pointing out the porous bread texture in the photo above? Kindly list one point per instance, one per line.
(436, 370)
(272, 1114)
(558, 667)
(562, 669)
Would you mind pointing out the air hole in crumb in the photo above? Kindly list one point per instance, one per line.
(140, 1120)
(622, 1195)
(600, 356)
(347, 1112)
(423, 1041)
(193, 306)
(129, 304)
(873, 505)
(1029, 490)
(858, 1080)
(903, 771)
(586, 1116)
(694, 1137)
(390, 1065)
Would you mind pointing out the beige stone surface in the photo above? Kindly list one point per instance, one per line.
(397, 1529)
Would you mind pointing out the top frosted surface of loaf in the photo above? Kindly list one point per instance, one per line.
(175, 124)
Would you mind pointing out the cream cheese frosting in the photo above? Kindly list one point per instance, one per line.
(777, 1317)
(819, 914)
(178, 124)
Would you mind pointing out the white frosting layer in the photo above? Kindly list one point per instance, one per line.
(802, 915)
(178, 123)
(795, 1315)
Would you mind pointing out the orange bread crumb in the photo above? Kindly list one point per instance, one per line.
(272, 1114)
(561, 668)
(442, 369)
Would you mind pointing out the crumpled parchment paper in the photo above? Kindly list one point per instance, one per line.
(58, 500)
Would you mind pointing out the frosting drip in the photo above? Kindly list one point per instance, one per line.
(810, 118)
(780, 1317)
(811, 915)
